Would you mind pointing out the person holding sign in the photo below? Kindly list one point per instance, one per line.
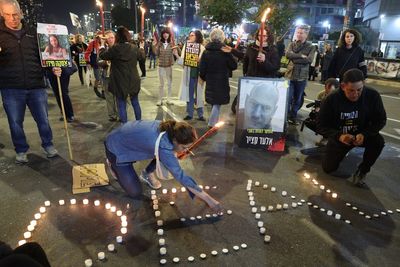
(158, 141)
(191, 90)
(78, 49)
(21, 80)
(215, 67)
(54, 50)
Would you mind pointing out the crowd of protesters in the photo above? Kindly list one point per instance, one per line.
(112, 62)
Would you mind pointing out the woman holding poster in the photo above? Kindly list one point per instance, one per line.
(191, 90)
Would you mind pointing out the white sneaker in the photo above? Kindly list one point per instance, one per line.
(150, 179)
(51, 152)
(159, 103)
(21, 158)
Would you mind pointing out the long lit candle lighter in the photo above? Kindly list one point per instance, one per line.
(200, 140)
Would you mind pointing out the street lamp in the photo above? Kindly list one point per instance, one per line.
(326, 25)
(299, 22)
(100, 4)
(142, 24)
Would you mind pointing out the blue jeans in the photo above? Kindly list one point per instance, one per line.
(127, 176)
(15, 102)
(121, 102)
(152, 58)
(190, 104)
(296, 91)
(214, 116)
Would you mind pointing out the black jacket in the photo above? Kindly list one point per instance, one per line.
(20, 66)
(268, 69)
(326, 60)
(345, 59)
(124, 76)
(338, 115)
(214, 69)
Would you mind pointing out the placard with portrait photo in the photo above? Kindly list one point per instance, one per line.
(261, 113)
(53, 41)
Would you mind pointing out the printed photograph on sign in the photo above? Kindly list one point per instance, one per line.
(192, 52)
(53, 41)
(261, 113)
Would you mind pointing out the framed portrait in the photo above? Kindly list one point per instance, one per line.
(261, 113)
(53, 41)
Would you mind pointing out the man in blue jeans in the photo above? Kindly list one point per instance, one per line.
(300, 54)
(22, 80)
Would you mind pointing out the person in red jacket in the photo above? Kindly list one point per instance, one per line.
(91, 57)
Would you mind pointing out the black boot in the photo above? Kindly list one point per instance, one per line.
(97, 92)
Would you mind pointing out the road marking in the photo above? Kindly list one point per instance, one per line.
(147, 92)
(233, 86)
(173, 115)
(390, 135)
(388, 96)
(178, 69)
(397, 131)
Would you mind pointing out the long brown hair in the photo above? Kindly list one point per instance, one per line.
(182, 132)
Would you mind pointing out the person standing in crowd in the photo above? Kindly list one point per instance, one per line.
(280, 46)
(300, 54)
(64, 75)
(255, 64)
(326, 59)
(348, 55)
(106, 65)
(30, 254)
(352, 117)
(22, 80)
(124, 76)
(215, 67)
(142, 140)
(152, 56)
(314, 66)
(78, 49)
(191, 91)
(142, 62)
(91, 57)
(165, 52)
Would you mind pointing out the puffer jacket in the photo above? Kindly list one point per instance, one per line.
(20, 66)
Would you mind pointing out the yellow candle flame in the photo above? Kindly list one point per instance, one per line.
(99, 3)
(219, 124)
(266, 12)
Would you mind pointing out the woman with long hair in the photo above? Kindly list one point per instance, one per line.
(54, 49)
(124, 76)
(159, 142)
(348, 55)
(165, 51)
(191, 91)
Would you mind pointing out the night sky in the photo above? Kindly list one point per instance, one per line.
(57, 11)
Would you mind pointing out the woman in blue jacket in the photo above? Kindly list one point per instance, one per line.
(158, 141)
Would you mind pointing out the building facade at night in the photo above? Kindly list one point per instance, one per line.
(33, 11)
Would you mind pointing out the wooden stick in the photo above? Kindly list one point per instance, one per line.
(64, 117)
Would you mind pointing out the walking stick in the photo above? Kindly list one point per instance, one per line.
(64, 117)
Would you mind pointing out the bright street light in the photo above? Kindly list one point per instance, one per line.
(298, 22)
(382, 16)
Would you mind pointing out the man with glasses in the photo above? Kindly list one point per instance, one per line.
(22, 80)
(352, 117)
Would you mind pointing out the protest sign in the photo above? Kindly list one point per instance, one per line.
(192, 54)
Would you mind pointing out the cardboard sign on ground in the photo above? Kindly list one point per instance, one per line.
(87, 176)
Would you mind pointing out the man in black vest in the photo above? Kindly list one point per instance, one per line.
(22, 81)
(352, 117)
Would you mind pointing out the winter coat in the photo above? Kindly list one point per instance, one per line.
(20, 66)
(326, 60)
(214, 70)
(91, 53)
(124, 76)
(345, 59)
(165, 55)
(184, 88)
(298, 67)
(269, 68)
